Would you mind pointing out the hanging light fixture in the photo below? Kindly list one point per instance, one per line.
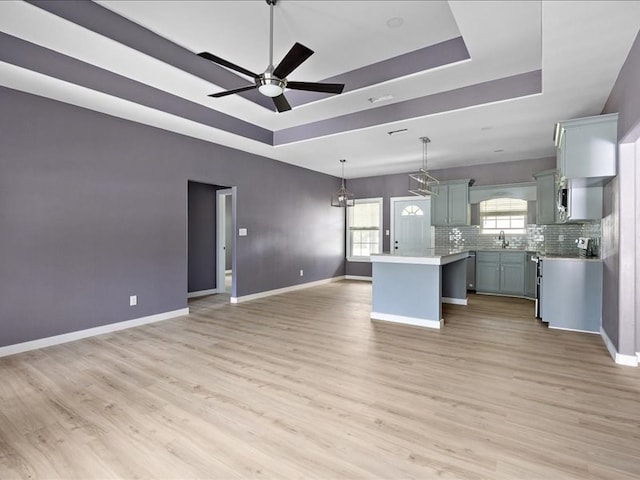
(420, 181)
(342, 198)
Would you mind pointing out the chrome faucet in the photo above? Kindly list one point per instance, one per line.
(501, 236)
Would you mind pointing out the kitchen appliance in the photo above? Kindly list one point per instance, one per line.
(586, 246)
(538, 304)
(578, 199)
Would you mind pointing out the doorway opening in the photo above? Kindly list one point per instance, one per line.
(210, 240)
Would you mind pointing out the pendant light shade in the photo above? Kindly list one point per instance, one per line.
(342, 198)
(421, 181)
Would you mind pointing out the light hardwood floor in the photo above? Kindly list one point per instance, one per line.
(304, 385)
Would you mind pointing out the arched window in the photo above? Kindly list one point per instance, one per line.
(503, 214)
(412, 210)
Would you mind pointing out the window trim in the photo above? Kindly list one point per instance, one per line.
(352, 258)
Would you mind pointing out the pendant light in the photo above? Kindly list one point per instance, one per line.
(342, 198)
(420, 181)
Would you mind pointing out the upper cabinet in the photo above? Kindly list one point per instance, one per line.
(450, 207)
(586, 147)
(546, 190)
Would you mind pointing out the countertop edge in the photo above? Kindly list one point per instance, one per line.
(420, 260)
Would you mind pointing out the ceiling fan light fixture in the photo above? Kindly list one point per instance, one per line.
(271, 87)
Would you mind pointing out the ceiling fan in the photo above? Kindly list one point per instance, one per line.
(273, 81)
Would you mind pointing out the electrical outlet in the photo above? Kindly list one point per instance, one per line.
(561, 238)
(133, 300)
(301, 273)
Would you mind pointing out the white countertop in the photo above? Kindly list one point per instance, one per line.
(427, 256)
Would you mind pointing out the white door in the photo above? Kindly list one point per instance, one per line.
(224, 276)
(410, 225)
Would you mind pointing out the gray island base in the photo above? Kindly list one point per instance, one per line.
(410, 289)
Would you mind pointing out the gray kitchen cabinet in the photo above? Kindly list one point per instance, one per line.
(512, 273)
(500, 272)
(487, 271)
(572, 294)
(586, 160)
(546, 204)
(586, 147)
(451, 205)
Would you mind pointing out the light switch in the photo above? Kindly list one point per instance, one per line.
(242, 232)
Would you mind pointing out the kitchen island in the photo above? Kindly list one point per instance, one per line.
(411, 288)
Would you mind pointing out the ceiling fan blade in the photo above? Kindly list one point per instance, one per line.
(281, 103)
(228, 64)
(317, 87)
(292, 60)
(231, 92)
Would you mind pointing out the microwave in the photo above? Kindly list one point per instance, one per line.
(578, 200)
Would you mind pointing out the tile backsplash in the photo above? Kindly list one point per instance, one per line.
(551, 239)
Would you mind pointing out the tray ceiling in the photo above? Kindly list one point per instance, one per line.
(485, 80)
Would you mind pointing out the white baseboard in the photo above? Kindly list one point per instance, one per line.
(278, 291)
(454, 301)
(357, 277)
(628, 360)
(572, 330)
(420, 322)
(202, 293)
(89, 332)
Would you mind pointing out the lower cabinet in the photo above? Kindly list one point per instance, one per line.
(500, 272)
(571, 296)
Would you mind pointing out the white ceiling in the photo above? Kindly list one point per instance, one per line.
(579, 46)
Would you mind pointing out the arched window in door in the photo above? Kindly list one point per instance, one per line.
(413, 210)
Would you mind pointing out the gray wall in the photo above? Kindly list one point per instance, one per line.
(94, 208)
(388, 186)
(624, 330)
(519, 171)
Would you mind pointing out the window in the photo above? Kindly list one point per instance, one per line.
(364, 228)
(503, 214)
(412, 210)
